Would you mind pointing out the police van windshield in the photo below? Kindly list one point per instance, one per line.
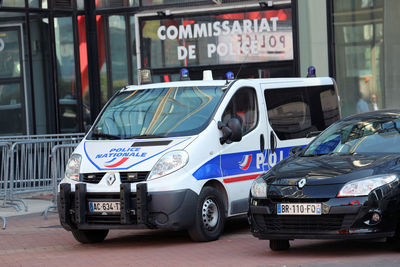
(159, 112)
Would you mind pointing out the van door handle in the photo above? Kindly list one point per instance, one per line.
(262, 143)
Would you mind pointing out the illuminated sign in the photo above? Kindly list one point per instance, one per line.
(217, 39)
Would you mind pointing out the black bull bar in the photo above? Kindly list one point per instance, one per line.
(75, 214)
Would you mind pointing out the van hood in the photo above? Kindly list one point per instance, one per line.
(126, 155)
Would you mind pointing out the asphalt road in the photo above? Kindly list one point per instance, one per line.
(30, 240)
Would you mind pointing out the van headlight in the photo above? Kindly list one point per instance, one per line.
(73, 166)
(170, 162)
(259, 188)
(363, 187)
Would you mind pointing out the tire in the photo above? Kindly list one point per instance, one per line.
(278, 244)
(209, 217)
(89, 236)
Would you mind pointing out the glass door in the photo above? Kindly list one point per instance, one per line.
(12, 105)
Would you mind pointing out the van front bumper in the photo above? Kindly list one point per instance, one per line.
(173, 210)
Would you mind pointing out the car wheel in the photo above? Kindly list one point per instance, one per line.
(278, 244)
(209, 217)
(89, 236)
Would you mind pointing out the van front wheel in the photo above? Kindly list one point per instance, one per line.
(89, 236)
(209, 217)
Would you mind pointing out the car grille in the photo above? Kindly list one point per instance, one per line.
(126, 177)
(302, 224)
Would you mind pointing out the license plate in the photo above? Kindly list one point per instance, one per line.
(104, 206)
(299, 208)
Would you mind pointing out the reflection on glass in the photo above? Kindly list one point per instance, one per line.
(11, 110)
(9, 54)
(102, 58)
(133, 49)
(13, 3)
(83, 60)
(179, 111)
(66, 74)
(118, 49)
(115, 4)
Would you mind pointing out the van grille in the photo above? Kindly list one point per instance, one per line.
(126, 177)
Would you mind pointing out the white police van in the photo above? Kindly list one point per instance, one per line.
(183, 155)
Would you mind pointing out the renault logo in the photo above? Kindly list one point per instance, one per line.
(302, 183)
(111, 179)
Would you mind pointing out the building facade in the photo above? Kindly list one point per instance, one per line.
(61, 60)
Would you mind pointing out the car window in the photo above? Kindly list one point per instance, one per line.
(369, 136)
(243, 106)
(294, 112)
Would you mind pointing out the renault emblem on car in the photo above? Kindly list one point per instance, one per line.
(302, 183)
(111, 179)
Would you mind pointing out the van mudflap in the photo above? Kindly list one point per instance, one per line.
(172, 210)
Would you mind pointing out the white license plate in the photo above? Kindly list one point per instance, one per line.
(299, 208)
(104, 206)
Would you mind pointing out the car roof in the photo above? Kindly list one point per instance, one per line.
(386, 113)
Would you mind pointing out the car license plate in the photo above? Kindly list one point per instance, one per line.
(104, 206)
(299, 208)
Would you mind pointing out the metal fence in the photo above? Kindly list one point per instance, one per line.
(27, 165)
(59, 157)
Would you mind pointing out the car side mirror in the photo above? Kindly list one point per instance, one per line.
(295, 150)
(231, 132)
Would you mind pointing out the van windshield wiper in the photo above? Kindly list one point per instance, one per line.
(109, 136)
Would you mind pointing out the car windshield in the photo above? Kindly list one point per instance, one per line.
(159, 112)
(373, 135)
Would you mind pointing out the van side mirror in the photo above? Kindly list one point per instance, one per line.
(295, 150)
(231, 132)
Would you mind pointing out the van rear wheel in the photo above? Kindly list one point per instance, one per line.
(89, 236)
(209, 217)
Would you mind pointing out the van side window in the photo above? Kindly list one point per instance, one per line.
(294, 112)
(243, 106)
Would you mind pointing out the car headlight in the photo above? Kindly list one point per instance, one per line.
(73, 166)
(363, 187)
(259, 188)
(170, 162)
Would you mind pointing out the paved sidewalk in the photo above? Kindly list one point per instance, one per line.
(36, 205)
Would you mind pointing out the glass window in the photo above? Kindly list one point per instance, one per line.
(359, 43)
(243, 106)
(175, 111)
(101, 46)
(68, 104)
(119, 61)
(295, 112)
(370, 135)
(83, 60)
(116, 3)
(12, 106)
(165, 2)
(13, 3)
(41, 65)
(133, 49)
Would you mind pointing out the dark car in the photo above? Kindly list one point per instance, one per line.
(343, 185)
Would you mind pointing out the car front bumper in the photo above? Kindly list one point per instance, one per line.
(172, 210)
(341, 218)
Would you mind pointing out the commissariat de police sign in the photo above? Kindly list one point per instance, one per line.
(215, 39)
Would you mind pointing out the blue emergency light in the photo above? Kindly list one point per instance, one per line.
(311, 72)
(230, 76)
(184, 75)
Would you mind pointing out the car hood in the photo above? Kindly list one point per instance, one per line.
(331, 169)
